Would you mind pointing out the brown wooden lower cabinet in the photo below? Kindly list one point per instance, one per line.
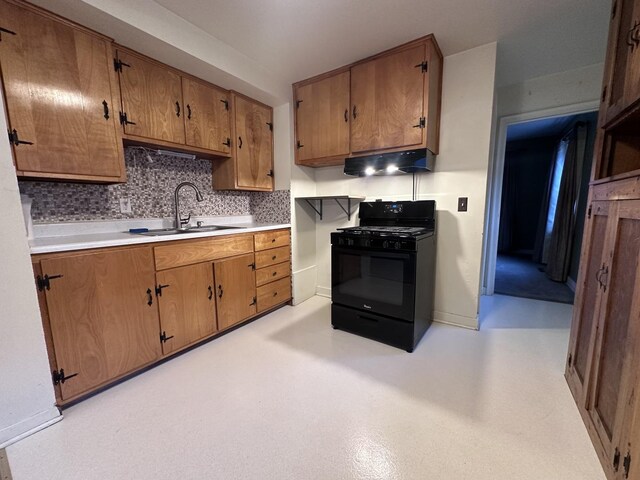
(235, 289)
(604, 358)
(102, 313)
(187, 305)
(109, 312)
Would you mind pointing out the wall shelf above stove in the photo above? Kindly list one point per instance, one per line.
(314, 202)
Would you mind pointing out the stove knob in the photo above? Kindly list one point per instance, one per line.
(385, 244)
(350, 242)
(367, 242)
(398, 245)
(341, 241)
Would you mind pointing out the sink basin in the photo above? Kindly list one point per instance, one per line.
(175, 231)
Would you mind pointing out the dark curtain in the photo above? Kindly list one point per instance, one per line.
(507, 209)
(559, 259)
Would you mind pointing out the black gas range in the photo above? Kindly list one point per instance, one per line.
(383, 272)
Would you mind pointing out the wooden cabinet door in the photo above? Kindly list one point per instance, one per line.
(206, 116)
(587, 304)
(151, 99)
(322, 119)
(58, 82)
(104, 320)
(235, 290)
(632, 81)
(254, 144)
(618, 328)
(187, 305)
(387, 101)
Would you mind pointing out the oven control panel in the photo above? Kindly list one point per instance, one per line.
(357, 241)
(392, 208)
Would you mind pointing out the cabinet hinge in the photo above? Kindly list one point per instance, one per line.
(423, 66)
(118, 64)
(124, 120)
(627, 464)
(616, 460)
(569, 360)
(4, 30)
(589, 212)
(13, 138)
(270, 173)
(252, 265)
(298, 102)
(44, 282)
(254, 301)
(270, 125)
(164, 338)
(226, 104)
(159, 289)
(299, 145)
(422, 123)
(59, 377)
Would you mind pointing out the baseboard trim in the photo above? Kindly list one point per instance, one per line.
(571, 284)
(323, 292)
(28, 427)
(456, 320)
(304, 284)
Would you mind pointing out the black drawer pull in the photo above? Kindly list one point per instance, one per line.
(274, 274)
(220, 291)
(274, 257)
(188, 111)
(149, 297)
(177, 109)
(210, 292)
(275, 294)
(239, 142)
(369, 319)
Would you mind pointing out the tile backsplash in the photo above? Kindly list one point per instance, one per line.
(151, 180)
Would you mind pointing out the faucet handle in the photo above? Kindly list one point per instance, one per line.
(185, 221)
(199, 223)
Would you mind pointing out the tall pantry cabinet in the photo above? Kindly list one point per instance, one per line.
(603, 362)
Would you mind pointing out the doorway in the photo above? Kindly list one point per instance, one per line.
(538, 205)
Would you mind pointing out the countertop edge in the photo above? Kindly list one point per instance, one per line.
(73, 243)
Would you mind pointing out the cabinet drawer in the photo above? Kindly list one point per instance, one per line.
(187, 253)
(273, 256)
(274, 293)
(270, 274)
(274, 239)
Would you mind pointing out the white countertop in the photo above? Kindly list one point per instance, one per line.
(64, 237)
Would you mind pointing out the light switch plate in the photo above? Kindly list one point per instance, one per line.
(462, 204)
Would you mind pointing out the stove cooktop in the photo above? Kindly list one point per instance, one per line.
(384, 231)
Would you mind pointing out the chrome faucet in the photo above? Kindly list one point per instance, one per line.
(182, 222)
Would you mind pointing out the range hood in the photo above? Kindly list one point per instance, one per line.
(413, 161)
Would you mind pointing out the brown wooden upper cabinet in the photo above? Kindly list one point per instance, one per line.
(61, 97)
(207, 116)
(322, 120)
(393, 103)
(251, 165)
(152, 105)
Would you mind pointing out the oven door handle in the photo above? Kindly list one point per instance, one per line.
(369, 319)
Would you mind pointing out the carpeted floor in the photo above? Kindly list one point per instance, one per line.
(518, 276)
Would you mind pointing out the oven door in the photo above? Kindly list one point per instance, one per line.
(377, 281)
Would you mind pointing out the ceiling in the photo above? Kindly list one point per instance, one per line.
(297, 39)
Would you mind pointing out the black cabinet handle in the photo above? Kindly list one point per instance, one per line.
(177, 109)
(188, 111)
(239, 142)
(346, 114)
(220, 291)
(210, 292)
(105, 108)
(355, 113)
(275, 294)
(274, 257)
(149, 297)
(274, 274)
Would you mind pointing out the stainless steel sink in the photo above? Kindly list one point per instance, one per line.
(176, 231)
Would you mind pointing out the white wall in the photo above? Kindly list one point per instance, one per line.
(565, 88)
(461, 170)
(26, 392)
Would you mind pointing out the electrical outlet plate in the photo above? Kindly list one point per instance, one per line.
(462, 204)
(125, 205)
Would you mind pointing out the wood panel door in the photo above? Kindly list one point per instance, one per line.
(151, 99)
(60, 98)
(187, 305)
(587, 304)
(387, 101)
(322, 119)
(207, 116)
(618, 329)
(104, 320)
(254, 144)
(235, 289)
